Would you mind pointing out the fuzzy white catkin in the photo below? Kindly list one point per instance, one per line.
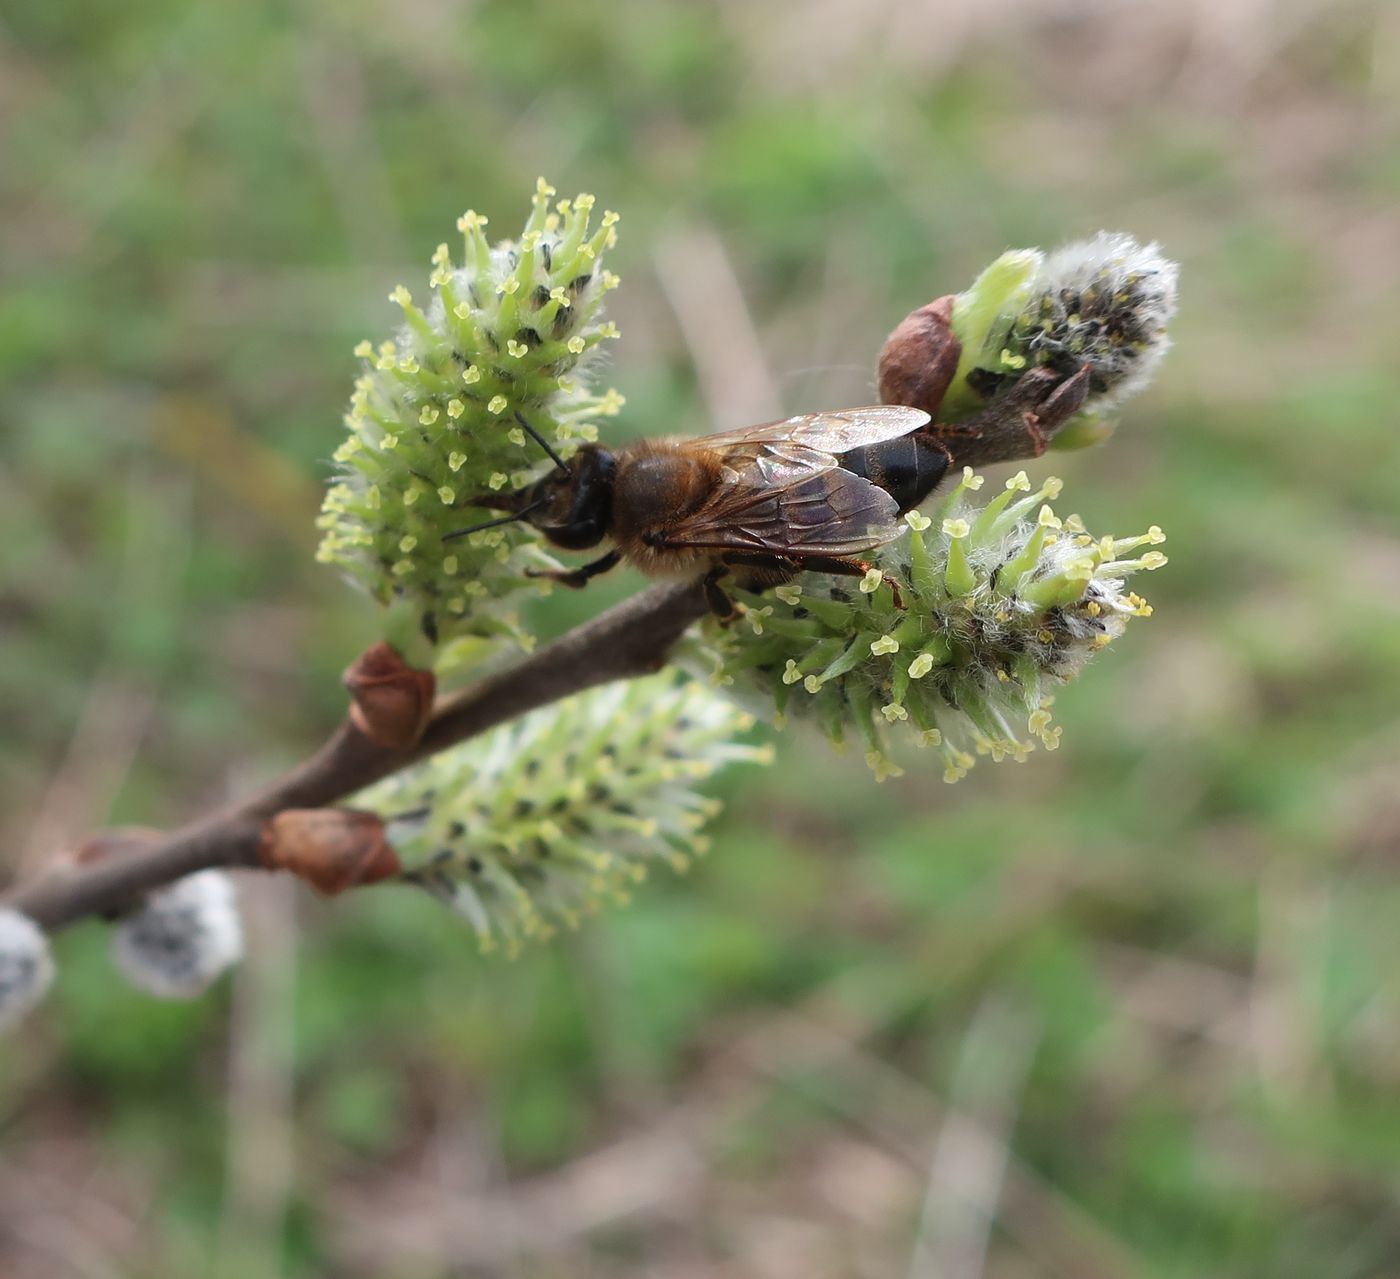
(1105, 302)
(26, 967)
(185, 935)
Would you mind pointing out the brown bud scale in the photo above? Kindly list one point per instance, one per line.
(332, 849)
(920, 357)
(390, 700)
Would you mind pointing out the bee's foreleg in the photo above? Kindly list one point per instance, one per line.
(577, 578)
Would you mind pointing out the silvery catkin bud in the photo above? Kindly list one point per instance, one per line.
(544, 818)
(26, 967)
(182, 938)
(1000, 604)
(1103, 303)
(511, 331)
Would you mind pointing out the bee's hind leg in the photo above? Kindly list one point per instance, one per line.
(852, 568)
(764, 571)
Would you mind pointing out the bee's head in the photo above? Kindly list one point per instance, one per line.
(572, 508)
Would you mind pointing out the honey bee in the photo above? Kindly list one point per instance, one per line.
(810, 492)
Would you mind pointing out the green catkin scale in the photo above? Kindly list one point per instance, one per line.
(1000, 605)
(1104, 302)
(544, 819)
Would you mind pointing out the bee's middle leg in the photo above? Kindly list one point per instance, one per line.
(755, 572)
(721, 606)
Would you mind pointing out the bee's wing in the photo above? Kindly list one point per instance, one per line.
(785, 493)
(836, 431)
(822, 512)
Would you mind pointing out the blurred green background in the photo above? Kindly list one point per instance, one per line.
(1129, 1009)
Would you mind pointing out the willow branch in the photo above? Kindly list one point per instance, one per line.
(630, 639)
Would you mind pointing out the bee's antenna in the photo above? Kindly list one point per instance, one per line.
(544, 444)
(504, 519)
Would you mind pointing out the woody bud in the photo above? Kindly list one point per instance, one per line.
(919, 358)
(390, 700)
(332, 849)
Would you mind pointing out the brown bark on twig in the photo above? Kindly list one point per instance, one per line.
(630, 639)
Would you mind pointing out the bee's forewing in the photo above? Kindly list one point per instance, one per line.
(845, 429)
(827, 512)
(786, 493)
(834, 431)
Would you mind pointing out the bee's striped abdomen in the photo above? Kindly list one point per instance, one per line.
(908, 468)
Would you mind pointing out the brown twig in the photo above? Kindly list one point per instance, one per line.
(628, 640)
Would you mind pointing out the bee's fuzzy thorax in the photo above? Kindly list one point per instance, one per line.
(657, 483)
(657, 561)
